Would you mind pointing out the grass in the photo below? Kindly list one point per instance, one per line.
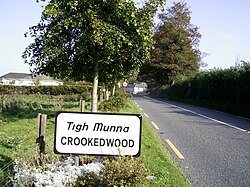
(18, 141)
(19, 130)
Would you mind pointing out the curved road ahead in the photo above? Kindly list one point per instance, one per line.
(212, 148)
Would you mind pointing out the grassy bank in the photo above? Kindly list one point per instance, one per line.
(19, 131)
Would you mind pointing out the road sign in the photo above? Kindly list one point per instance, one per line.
(97, 133)
(124, 84)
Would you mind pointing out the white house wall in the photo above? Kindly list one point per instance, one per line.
(29, 82)
(50, 83)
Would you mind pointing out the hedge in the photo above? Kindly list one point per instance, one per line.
(223, 86)
(50, 90)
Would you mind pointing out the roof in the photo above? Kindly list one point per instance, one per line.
(26, 76)
(140, 85)
(44, 77)
(16, 76)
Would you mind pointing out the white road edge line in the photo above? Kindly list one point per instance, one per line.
(221, 122)
(145, 114)
(218, 121)
(177, 152)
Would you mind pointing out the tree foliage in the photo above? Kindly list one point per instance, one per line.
(75, 36)
(91, 39)
(175, 52)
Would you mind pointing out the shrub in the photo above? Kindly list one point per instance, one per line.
(124, 171)
(71, 98)
(114, 104)
(118, 171)
(21, 107)
(122, 93)
(86, 96)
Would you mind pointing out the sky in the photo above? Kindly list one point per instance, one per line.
(223, 24)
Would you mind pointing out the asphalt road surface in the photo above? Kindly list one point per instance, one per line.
(212, 147)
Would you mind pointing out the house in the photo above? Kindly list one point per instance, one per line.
(25, 79)
(142, 87)
(136, 88)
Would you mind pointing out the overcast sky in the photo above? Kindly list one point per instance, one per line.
(224, 26)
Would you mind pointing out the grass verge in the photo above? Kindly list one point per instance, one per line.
(18, 141)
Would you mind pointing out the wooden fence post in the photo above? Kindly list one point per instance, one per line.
(41, 136)
(82, 108)
(82, 105)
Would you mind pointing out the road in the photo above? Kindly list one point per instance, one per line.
(212, 148)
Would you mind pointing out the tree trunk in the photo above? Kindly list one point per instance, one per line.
(94, 90)
(101, 95)
(113, 90)
(107, 93)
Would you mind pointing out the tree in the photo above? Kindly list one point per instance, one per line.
(85, 40)
(175, 52)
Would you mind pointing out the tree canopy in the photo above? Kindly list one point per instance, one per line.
(175, 51)
(84, 40)
(74, 36)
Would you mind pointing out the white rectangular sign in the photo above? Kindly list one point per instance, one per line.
(97, 133)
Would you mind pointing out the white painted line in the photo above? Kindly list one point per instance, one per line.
(201, 115)
(248, 132)
(154, 125)
(177, 152)
(221, 122)
(141, 109)
(145, 114)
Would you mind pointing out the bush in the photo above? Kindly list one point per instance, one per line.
(114, 104)
(124, 171)
(118, 171)
(20, 107)
(122, 93)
